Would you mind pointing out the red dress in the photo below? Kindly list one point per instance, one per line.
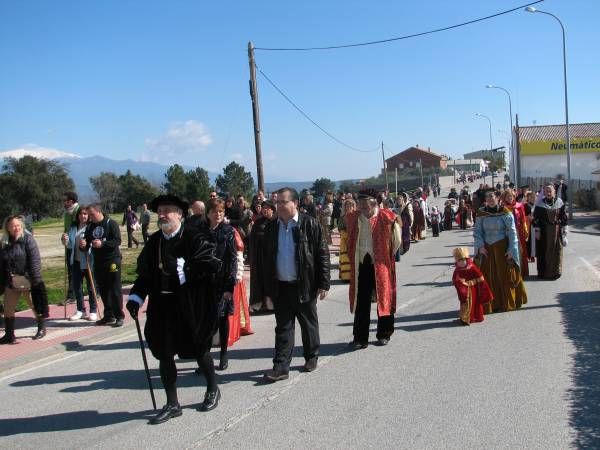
(239, 321)
(473, 292)
(518, 211)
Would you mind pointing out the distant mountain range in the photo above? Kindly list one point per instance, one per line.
(82, 168)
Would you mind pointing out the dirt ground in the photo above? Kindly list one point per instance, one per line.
(51, 249)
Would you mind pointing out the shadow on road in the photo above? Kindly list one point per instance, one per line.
(431, 283)
(581, 319)
(447, 264)
(76, 420)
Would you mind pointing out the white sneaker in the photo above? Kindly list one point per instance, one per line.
(78, 315)
(93, 317)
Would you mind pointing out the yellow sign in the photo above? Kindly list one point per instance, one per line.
(558, 147)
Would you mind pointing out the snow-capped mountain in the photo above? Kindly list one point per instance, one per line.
(38, 152)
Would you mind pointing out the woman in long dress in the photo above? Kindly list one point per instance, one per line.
(418, 224)
(348, 206)
(518, 211)
(404, 210)
(259, 302)
(550, 222)
(497, 249)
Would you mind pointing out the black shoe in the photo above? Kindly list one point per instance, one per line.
(358, 345)
(106, 321)
(310, 365)
(383, 341)
(223, 363)
(168, 412)
(275, 375)
(41, 332)
(118, 323)
(8, 339)
(211, 400)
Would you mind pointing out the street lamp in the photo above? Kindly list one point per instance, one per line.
(513, 154)
(531, 9)
(491, 145)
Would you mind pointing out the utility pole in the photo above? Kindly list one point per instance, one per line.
(396, 181)
(421, 167)
(256, 117)
(454, 171)
(387, 187)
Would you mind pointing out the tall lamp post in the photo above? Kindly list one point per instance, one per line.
(491, 145)
(531, 9)
(515, 163)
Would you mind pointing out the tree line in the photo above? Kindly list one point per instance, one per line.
(35, 187)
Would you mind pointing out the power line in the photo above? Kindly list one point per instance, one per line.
(399, 38)
(311, 120)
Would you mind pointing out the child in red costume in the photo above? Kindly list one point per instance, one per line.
(473, 291)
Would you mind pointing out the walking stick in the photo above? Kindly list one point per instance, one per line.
(66, 287)
(91, 281)
(139, 332)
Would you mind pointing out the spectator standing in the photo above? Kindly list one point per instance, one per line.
(145, 219)
(79, 262)
(104, 238)
(130, 220)
(21, 274)
(71, 208)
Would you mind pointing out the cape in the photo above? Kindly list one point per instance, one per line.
(383, 259)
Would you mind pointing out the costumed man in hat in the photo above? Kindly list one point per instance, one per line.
(176, 271)
(374, 236)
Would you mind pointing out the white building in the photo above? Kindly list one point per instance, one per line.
(473, 165)
(543, 154)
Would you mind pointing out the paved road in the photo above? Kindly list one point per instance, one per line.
(526, 379)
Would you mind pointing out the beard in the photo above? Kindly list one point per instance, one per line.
(167, 225)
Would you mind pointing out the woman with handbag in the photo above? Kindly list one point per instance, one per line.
(21, 274)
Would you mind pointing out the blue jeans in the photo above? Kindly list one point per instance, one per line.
(77, 276)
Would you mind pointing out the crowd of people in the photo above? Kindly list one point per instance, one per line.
(192, 269)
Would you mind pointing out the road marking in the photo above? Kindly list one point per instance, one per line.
(407, 304)
(590, 266)
(260, 404)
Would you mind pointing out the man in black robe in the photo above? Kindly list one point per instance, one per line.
(176, 271)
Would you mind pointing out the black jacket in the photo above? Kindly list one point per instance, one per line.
(182, 324)
(20, 257)
(108, 232)
(312, 258)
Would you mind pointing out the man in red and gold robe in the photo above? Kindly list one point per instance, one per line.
(374, 236)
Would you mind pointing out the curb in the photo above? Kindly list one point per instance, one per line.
(67, 346)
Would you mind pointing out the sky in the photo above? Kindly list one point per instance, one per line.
(168, 81)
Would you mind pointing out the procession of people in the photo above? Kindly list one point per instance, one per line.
(191, 271)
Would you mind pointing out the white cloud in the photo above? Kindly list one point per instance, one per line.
(181, 143)
(237, 157)
(37, 151)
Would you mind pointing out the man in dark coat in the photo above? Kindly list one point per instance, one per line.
(176, 271)
(296, 270)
